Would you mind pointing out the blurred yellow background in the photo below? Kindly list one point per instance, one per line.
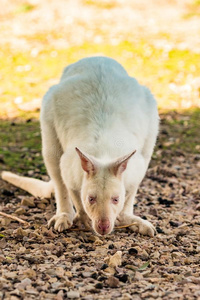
(157, 41)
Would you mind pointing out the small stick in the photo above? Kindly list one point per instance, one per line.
(13, 217)
(125, 226)
(78, 229)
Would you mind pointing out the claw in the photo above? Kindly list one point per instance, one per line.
(60, 221)
(82, 220)
(142, 226)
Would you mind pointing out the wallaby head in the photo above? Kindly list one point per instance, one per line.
(103, 192)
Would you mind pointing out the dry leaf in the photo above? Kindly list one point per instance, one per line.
(115, 260)
(113, 282)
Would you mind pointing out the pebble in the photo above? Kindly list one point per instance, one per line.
(20, 232)
(24, 283)
(126, 296)
(122, 277)
(41, 205)
(28, 202)
(111, 246)
(112, 282)
(144, 255)
(5, 221)
(94, 275)
(30, 172)
(138, 276)
(155, 254)
(7, 193)
(73, 294)
(153, 211)
(104, 266)
(99, 285)
(86, 274)
(198, 207)
(88, 297)
(56, 285)
(20, 211)
(133, 251)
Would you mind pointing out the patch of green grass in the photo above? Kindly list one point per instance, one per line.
(21, 146)
(183, 128)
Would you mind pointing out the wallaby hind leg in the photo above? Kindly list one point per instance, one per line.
(52, 153)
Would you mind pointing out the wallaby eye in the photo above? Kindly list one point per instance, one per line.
(115, 200)
(91, 199)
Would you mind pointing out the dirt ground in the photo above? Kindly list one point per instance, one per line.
(39, 263)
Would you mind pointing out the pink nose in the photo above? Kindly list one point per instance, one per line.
(103, 225)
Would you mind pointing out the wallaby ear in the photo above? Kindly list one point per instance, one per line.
(87, 163)
(119, 166)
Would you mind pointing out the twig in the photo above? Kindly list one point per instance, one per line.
(125, 226)
(78, 229)
(13, 217)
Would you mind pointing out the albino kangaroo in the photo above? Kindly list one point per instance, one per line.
(99, 127)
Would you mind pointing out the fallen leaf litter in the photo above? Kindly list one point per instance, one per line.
(39, 263)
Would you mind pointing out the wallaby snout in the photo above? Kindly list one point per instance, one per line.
(103, 226)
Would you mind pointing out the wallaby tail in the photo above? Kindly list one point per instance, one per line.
(35, 187)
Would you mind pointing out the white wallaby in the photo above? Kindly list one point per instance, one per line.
(99, 128)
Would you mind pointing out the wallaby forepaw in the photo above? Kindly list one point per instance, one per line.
(140, 225)
(60, 221)
(82, 220)
(144, 227)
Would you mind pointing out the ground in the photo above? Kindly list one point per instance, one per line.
(158, 43)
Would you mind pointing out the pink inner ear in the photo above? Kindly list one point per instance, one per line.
(121, 164)
(86, 163)
(87, 166)
(120, 168)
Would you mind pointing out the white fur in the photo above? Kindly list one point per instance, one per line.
(99, 109)
(35, 187)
